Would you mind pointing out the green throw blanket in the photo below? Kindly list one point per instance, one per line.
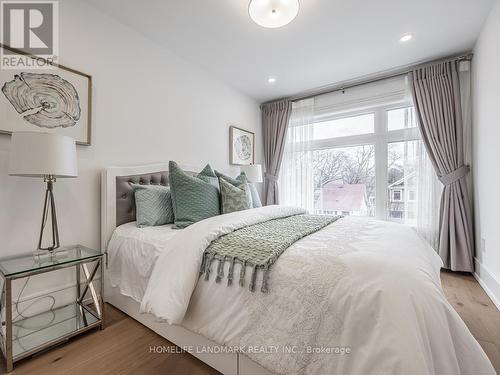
(259, 246)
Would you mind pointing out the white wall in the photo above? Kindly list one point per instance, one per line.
(486, 154)
(149, 106)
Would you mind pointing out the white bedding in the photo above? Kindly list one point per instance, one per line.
(370, 286)
(132, 253)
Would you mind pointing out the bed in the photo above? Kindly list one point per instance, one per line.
(357, 297)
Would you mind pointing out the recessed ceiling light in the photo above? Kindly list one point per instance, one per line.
(272, 13)
(406, 38)
(271, 80)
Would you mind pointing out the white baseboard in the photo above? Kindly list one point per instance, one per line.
(488, 282)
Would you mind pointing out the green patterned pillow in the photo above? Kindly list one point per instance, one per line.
(193, 198)
(208, 175)
(234, 198)
(242, 178)
(153, 205)
(233, 181)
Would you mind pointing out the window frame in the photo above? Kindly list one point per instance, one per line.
(380, 138)
(400, 192)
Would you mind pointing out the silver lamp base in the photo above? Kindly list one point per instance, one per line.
(49, 207)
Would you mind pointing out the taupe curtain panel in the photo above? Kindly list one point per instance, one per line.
(275, 117)
(436, 95)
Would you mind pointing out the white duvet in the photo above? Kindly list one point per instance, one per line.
(359, 297)
(132, 254)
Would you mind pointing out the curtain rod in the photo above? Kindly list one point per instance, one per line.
(377, 77)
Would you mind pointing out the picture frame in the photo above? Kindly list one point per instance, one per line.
(79, 126)
(241, 146)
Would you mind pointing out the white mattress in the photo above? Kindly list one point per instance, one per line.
(132, 254)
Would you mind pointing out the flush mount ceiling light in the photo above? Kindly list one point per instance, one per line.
(273, 13)
(271, 80)
(405, 38)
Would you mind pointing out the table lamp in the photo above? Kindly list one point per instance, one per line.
(253, 172)
(48, 156)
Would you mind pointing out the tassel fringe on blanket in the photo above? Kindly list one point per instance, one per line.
(258, 246)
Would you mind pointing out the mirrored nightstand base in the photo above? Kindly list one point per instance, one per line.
(21, 338)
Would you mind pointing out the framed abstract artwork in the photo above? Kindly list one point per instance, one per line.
(54, 100)
(241, 146)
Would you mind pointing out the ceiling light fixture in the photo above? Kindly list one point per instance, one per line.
(273, 13)
(271, 80)
(406, 38)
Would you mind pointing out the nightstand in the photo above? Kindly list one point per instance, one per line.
(24, 337)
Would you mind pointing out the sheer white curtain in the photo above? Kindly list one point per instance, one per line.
(428, 198)
(428, 188)
(296, 177)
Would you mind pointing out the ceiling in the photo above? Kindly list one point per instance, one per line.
(329, 41)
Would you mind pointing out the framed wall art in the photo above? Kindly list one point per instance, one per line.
(56, 100)
(241, 146)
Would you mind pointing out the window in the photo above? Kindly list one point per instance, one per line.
(359, 161)
(402, 178)
(344, 127)
(396, 195)
(344, 180)
(401, 118)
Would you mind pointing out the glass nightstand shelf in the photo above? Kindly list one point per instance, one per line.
(24, 337)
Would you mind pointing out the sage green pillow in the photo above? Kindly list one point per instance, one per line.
(234, 198)
(242, 178)
(193, 198)
(153, 205)
(208, 175)
(233, 181)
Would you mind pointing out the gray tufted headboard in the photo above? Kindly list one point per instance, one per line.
(125, 201)
(117, 195)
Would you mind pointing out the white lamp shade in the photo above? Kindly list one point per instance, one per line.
(35, 154)
(253, 172)
(273, 13)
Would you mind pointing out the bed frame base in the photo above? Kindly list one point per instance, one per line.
(226, 363)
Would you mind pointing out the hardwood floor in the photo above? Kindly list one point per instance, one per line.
(476, 309)
(123, 347)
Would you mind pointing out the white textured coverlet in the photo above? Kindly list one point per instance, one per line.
(370, 286)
